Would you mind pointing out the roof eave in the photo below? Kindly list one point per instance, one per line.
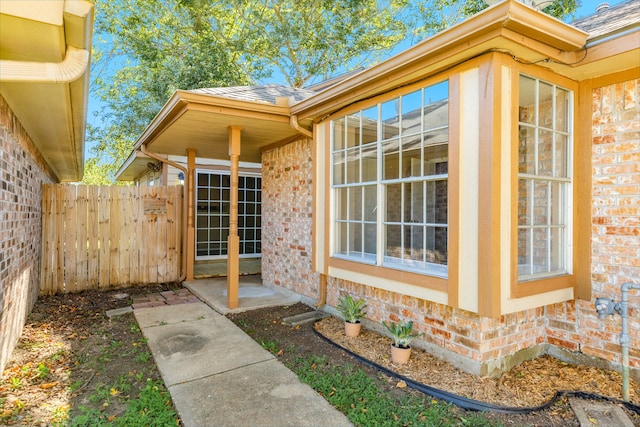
(510, 20)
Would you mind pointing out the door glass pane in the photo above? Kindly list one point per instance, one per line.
(212, 216)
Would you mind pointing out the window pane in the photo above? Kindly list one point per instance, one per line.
(527, 101)
(436, 249)
(524, 252)
(557, 203)
(414, 202)
(355, 237)
(524, 202)
(411, 156)
(393, 237)
(436, 195)
(353, 130)
(412, 113)
(370, 203)
(560, 162)
(369, 163)
(393, 203)
(545, 153)
(391, 165)
(562, 110)
(341, 203)
(370, 125)
(545, 105)
(338, 168)
(341, 238)
(557, 249)
(540, 250)
(540, 202)
(355, 203)
(353, 165)
(338, 133)
(416, 243)
(370, 239)
(436, 110)
(527, 150)
(390, 118)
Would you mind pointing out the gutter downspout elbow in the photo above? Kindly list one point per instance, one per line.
(293, 121)
(183, 268)
(74, 65)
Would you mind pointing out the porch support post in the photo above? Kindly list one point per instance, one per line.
(190, 214)
(233, 241)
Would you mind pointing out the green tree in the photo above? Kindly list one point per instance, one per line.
(429, 17)
(146, 49)
(313, 39)
(143, 51)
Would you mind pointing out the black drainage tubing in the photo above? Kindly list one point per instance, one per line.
(477, 405)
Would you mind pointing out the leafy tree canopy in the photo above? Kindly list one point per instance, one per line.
(144, 50)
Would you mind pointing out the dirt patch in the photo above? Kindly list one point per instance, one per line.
(72, 355)
(530, 384)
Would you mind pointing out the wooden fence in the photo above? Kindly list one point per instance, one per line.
(100, 237)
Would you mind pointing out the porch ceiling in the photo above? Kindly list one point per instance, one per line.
(201, 121)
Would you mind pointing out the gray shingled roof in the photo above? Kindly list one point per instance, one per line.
(611, 19)
(266, 93)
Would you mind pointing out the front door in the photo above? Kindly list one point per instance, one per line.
(212, 214)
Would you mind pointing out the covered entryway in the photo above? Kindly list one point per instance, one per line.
(235, 125)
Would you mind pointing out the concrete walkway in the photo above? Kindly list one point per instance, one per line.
(218, 376)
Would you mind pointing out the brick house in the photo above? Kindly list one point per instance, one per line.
(485, 184)
(44, 81)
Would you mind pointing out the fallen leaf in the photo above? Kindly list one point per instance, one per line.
(46, 386)
(114, 392)
(401, 384)
(280, 352)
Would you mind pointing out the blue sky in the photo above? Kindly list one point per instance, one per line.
(587, 7)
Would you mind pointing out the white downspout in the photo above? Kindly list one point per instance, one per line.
(71, 68)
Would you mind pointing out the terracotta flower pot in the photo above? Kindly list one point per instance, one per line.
(352, 329)
(400, 355)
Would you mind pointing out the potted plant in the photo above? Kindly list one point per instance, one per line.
(402, 337)
(352, 311)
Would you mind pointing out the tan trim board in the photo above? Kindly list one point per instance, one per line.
(400, 277)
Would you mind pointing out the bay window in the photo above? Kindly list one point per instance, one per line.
(544, 179)
(389, 178)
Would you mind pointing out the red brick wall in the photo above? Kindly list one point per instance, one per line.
(22, 173)
(572, 326)
(287, 203)
(615, 229)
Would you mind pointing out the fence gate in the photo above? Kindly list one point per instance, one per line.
(99, 237)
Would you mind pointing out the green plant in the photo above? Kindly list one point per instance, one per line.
(351, 310)
(401, 332)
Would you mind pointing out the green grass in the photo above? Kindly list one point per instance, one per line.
(151, 408)
(365, 403)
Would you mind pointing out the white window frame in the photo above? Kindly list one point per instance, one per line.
(380, 258)
(528, 272)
